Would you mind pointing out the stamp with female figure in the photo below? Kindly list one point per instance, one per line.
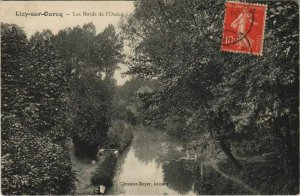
(244, 28)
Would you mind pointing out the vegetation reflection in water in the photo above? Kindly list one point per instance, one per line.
(153, 158)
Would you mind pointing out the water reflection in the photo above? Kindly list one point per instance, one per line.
(180, 175)
(146, 146)
(152, 159)
(149, 146)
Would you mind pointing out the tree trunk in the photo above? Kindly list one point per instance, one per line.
(228, 153)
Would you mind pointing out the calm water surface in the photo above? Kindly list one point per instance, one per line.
(153, 158)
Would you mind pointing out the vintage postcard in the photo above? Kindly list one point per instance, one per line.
(150, 97)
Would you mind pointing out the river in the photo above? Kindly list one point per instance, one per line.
(151, 165)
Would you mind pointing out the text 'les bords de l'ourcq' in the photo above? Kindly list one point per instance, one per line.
(60, 14)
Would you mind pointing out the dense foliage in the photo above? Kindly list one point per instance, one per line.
(127, 104)
(119, 135)
(91, 61)
(241, 101)
(34, 157)
(54, 87)
(105, 171)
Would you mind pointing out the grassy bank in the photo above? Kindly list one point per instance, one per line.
(264, 175)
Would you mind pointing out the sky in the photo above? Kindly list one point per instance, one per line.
(69, 14)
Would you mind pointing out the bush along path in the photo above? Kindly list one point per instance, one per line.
(103, 175)
(119, 137)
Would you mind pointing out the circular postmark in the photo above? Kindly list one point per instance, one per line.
(239, 28)
(242, 26)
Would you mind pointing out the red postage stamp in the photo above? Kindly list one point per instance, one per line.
(244, 28)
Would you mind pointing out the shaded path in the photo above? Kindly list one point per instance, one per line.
(83, 169)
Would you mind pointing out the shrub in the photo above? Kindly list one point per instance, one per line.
(33, 164)
(105, 170)
(119, 135)
(92, 103)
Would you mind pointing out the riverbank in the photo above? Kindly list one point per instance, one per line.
(93, 172)
(154, 158)
(263, 174)
(260, 175)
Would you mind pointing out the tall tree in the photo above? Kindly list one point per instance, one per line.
(232, 96)
(90, 60)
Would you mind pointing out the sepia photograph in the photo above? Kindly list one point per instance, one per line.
(150, 97)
